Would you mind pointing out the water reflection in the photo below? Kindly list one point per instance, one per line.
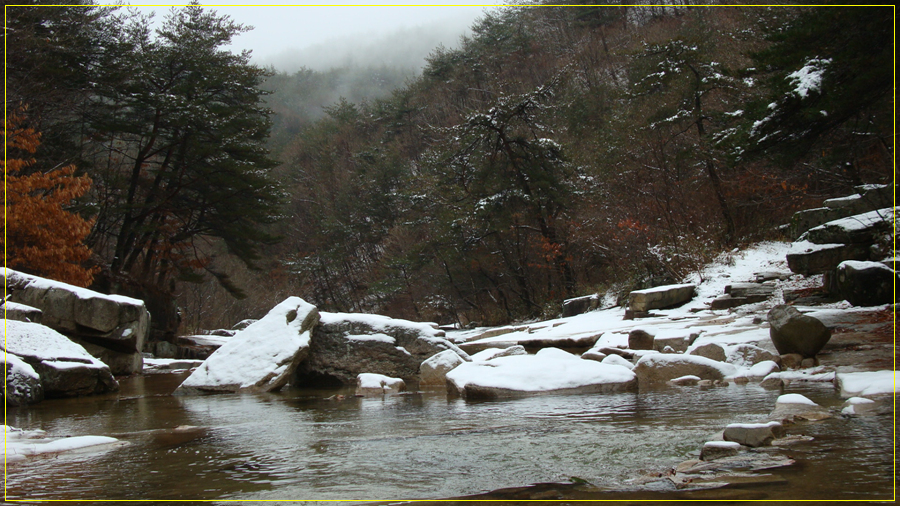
(298, 445)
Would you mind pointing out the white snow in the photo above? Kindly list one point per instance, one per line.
(860, 221)
(752, 425)
(664, 288)
(618, 360)
(859, 384)
(808, 78)
(794, 399)
(721, 444)
(860, 265)
(81, 293)
(262, 351)
(21, 444)
(549, 369)
(371, 380)
(43, 343)
(661, 359)
(382, 338)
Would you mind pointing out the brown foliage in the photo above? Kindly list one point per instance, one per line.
(41, 235)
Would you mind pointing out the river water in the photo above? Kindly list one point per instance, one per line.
(297, 445)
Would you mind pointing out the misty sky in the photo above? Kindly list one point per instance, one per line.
(329, 27)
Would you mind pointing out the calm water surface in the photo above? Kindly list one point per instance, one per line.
(295, 445)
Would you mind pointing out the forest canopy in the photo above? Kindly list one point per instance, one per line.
(556, 152)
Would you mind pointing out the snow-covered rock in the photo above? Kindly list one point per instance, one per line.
(858, 229)
(867, 384)
(796, 407)
(859, 406)
(753, 434)
(23, 384)
(660, 297)
(617, 360)
(865, 283)
(111, 322)
(714, 450)
(260, 358)
(657, 369)
(344, 345)
(492, 353)
(20, 312)
(368, 384)
(21, 444)
(549, 371)
(434, 369)
(65, 368)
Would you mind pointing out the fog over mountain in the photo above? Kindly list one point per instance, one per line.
(405, 48)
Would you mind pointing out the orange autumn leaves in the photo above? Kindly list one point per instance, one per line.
(41, 235)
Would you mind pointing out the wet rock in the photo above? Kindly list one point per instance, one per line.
(344, 345)
(688, 380)
(657, 369)
(65, 368)
(793, 332)
(753, 434)
(714, 450)
(641, 339)
(795, 407)
(118, 323)
(433, 370)
(660, 297)
(376, 385)
(865, 283)
(260, 358)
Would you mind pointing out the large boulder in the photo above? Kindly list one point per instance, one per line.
(657, 369)
(117, 323)
(65, 368)
(580, 305)
(344, 345)
(23, 384)
(807, 258)
(660, 297)
(857, 229)
(865, 283)
(260, 358)
(794, 332)
(549, 371)
(433, 371)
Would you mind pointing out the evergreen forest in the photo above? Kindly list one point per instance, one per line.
(557, 151)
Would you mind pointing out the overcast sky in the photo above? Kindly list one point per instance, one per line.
(288, 25)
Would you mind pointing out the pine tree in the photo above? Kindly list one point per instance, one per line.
(41, 235)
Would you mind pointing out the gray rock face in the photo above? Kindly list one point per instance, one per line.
(640, 339)
(753, 434)
(793, 332)
(23, 384)
(816, 260)
(344, 345)
(660, 297)
(580, 305)
(865, 283)
(117, 323)
(21, 312)
(857, 229)
(65, 368)
(711, 351)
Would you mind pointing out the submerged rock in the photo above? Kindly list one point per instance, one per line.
(260, 358)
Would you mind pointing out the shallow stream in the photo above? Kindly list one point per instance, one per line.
(296, 445)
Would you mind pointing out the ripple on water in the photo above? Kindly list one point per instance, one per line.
(295, 445)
